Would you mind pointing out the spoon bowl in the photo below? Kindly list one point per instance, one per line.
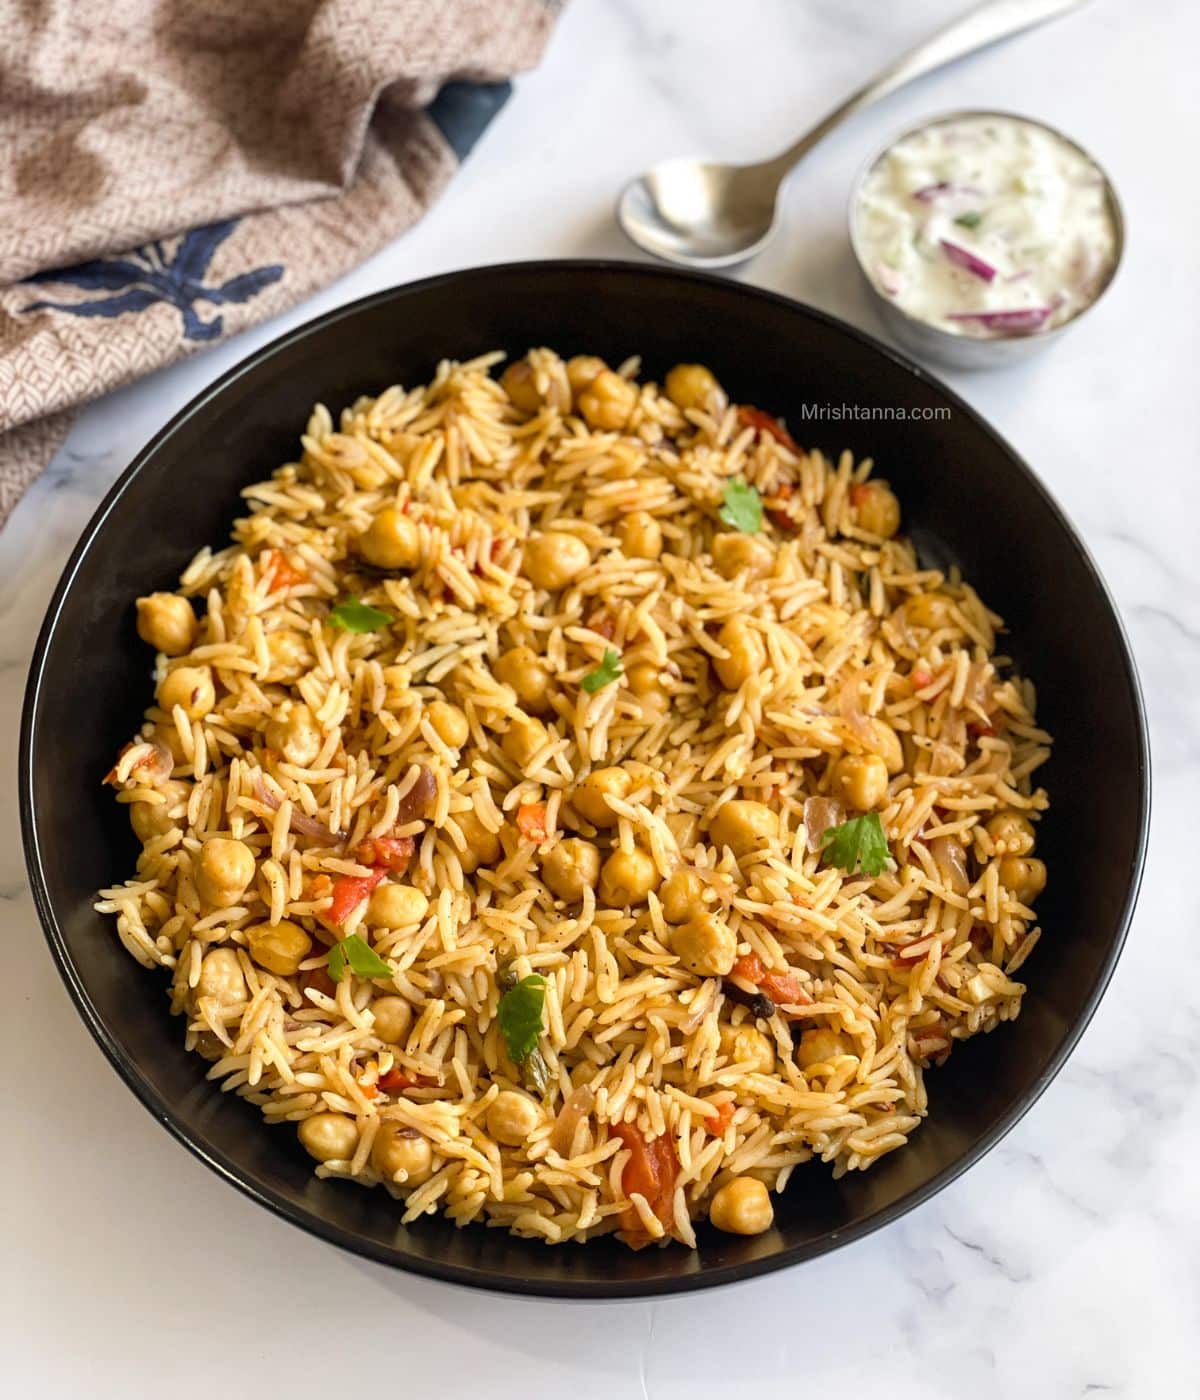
(701, 213)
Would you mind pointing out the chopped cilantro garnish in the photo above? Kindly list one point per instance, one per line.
(742, 508)
(971, 219)
(858, 844)
(353, 616)
(360, 956)
(608, 671)
(520, 1016)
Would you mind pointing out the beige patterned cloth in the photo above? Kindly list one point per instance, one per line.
(174, 171)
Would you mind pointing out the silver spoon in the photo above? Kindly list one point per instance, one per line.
(703, 214)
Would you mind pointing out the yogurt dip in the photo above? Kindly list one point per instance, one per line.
(987, 226)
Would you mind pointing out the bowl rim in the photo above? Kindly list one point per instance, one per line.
(310, 1221)
(947, 339)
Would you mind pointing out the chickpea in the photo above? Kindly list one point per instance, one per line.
(190, 687)
(152, 819)
(525, 671)
(746, 1045)
(397, 1149)
(860, 780)
(553, 559)
(1012, 833)
(571, 867)
(608, 402)
(396, 906)
(297, 736)
(742, 1207)
(523, 739)
(627, 879)
(280, 948)
(640, 535)
(684, 827)
(483, 846)
(519, 382)
(886, 743)
(681, 896)
(1026, 878)
(223, 871)
(393, 1019)
(820, 1045)
(694, 386)
(449, 723)
(166, 622)
(743, 826)
(288, 653)
(582, 371)
(391, 541)
(876, 509)
(734, 553)
(221, 977)
(705, 945)
(329, 1137)
(929, 610)
(645, 681)
(747, 654)
(589, 797)
(511, 1117)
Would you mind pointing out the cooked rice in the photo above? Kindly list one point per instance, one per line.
(900, 966)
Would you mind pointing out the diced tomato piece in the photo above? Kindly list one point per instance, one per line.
(349, 891)
(782, 987)
(531, 820)
(756, 418)
(391, 852)
(920, 679)
(650, 1172)
(396, 1080)
(749, 969)
(279, 571)
(603, 626)
(724, 1117)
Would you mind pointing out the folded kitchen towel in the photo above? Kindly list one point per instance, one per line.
(173, 172)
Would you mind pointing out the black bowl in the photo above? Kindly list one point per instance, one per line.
(968, 498)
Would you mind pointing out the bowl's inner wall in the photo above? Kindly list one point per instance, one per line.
(959, 487)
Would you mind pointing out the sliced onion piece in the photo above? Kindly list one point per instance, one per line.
(951, 861)
(578, 1106)
(300, 822)
(820, 813)
(964, 258)
(928, 193)
(1030, 318)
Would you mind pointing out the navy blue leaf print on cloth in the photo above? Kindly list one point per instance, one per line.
(151, 274)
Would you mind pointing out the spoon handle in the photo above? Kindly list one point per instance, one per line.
(1000, 19)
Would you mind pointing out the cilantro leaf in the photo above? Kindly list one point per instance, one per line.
(858, 844)
(353, 616)
(608, 671)
(360, 956)
(520, 1016)
(743, 507)
(971, 219)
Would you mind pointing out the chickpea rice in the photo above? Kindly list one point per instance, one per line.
(495, 693)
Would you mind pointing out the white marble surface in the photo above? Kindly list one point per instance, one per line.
(1068, 1261)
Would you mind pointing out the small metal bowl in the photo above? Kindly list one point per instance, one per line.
(962, 351)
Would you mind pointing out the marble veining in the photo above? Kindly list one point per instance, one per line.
(1067, 1262)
